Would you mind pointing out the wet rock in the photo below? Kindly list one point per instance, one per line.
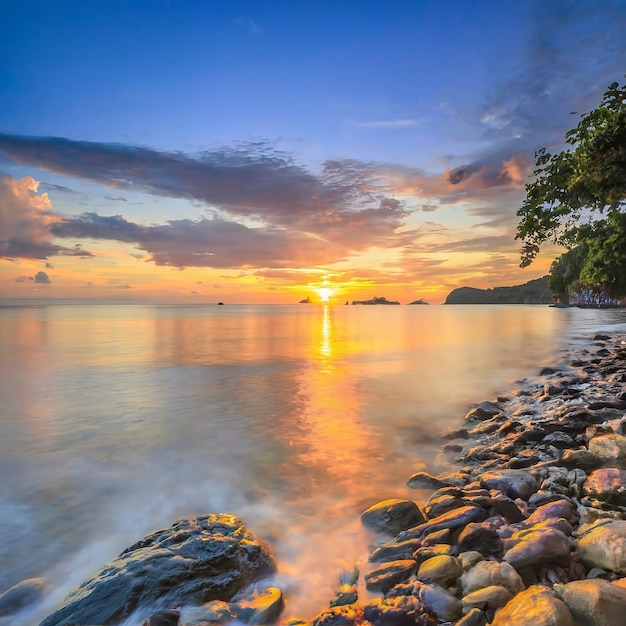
(559, 440)
(394, 550)
(607, 485)
(338, 616)
(423, 480)
(537, 606)
(437, 537)
(492, 597)
(595, 602)
(215, 612)
(346, 594)
(474, 617)
(167, 617)
(524, 458)
(456, 479)
(441, 570)
(192, 562)
(440, 602)
(604, 546)
(505, 507)
(611, 447)
(260, 607)
(392, 516)
(469, 559)
(488, 573)
(485, 410)
(386, 575)
(21, 595)
(480, 538)
(513, 483)
(429, 552)
(538, 547)
(455, 519)
(398, 611)
(564, 508)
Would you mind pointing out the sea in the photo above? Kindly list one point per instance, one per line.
(118, 419)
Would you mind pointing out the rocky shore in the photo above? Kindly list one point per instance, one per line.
(528, 526)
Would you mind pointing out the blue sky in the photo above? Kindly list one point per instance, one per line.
(255, 151)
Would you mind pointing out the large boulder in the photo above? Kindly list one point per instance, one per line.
(535, 548)
(610, 447)
(211, 557)
(595, 602)
(515, 483)
(537, 606)
(607, 485)
(392, 516)
(604, 546)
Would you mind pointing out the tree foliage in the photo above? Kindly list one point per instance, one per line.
(578, 198)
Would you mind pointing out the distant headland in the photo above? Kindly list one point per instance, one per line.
(534, 291)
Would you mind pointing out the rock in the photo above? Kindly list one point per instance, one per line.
(559, 440)
(492, 597)
(595, 602)
(611, 447)
(337, 616)
(398, 611)
(428, 552)
(440, 602)
(441, 570)
(537, 547)
(604, 546)
(607, 485)
(346, 594)
(564, 508)
(505, 507)
(452, 520)
(194, 561)
(423, 480)
(470, 558)
(515, 483)
(480, 538)
(21, 595)
(386, 575)
(484, 411)
(168, 617)
(392, 516)
(394, 550)
(488, 573)
(537, 606)
(474, 617)
(582, 459)
(211, 613)
(261, 607)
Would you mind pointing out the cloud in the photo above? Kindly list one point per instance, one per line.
(40, 278)
(303, 218)
(252, 180)
(533, 104)
(26, 218)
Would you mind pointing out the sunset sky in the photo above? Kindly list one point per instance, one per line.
(259, 151)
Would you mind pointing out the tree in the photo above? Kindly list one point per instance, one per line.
(565, 272)
(578, 196)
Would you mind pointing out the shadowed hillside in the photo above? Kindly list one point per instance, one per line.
(533, 292)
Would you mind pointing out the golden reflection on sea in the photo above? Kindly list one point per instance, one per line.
(337, 440)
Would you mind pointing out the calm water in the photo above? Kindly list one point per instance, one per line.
(117, 420)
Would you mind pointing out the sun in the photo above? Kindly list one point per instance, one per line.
(324, 293)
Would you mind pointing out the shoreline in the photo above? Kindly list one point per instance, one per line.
(533, 502)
